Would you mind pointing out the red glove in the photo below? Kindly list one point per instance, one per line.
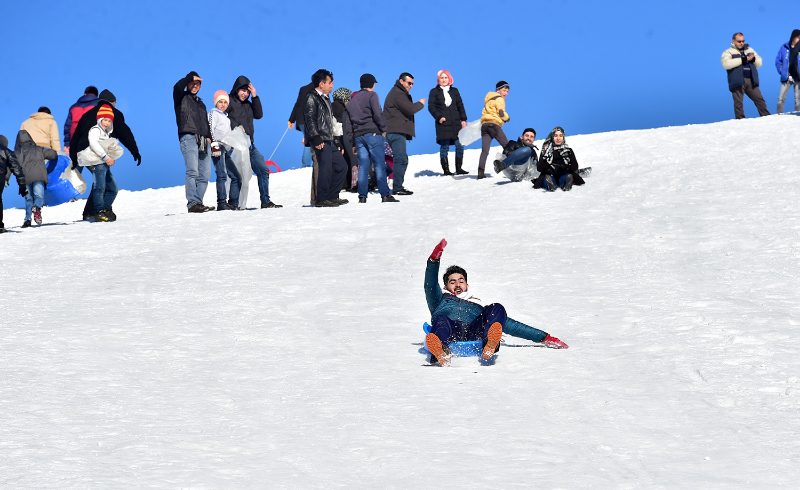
(554, 343)
(438, 250)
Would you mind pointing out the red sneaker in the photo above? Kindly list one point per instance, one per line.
(435, 347)
(37, 215)
(554, 343)
(492, 339)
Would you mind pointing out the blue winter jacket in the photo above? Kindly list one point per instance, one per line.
(782, 62)
(465, 311)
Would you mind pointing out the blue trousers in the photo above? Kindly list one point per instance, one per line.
(518, 156)
(398, 143)
(449, 330)
(444, 148)
(306, 161)
(105, 189)
(257, 162)
(198, 169)
(221, 164)
(35, 197)
(370, 146)
(560, 182)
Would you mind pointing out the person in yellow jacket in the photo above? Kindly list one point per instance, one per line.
(43, 129)
(492, 118)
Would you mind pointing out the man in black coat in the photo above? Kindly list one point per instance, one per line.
(195, 137)
(296, 118)
(319, 136)
(399, 109)
(9, 165)
(241, 112)
(80, 140)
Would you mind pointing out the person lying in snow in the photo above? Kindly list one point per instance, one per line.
(521, 159)
(458, 316)
(558, 164)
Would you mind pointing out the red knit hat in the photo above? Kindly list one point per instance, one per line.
(105, 111)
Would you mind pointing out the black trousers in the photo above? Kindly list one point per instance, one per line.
(332, 171)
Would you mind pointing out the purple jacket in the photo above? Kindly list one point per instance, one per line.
(365, 113)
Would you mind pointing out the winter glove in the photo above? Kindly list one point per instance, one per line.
(23, 190)
(438, 250)
(215, 151)
(554, 343)
(137, 158)
(502, 113)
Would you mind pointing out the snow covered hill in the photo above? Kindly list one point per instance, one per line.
(281, 348)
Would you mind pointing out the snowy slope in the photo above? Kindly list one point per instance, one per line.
(282, 348)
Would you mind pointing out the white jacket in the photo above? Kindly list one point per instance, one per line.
(101, 146)
(219, 123)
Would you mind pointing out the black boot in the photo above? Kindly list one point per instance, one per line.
(459, 163)
(446, 166)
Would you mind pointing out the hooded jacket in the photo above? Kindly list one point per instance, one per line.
(242, 113)
(9, 164)
(76, 111)
(734, 62)
(43, 129)
(101, 146)
(80, 139)
(494, 109)
(190, 110)
(220, 124)
(399, 109)
(31, 157)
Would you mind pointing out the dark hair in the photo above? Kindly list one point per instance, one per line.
(737, 34)
(453, 269)
(320, 76)
(529, 130)
(91, 89)
(44, 109)
(406, 74)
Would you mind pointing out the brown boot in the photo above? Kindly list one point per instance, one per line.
(481, 174)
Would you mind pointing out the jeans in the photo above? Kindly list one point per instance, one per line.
(518, 156)
(259, 165)
(198, 170)
(449, 330)
(221, 165)
(235, 178)
(444, 148)
(559, 182)
(371, 146)
(105, 189)
(35, 197)
(785, 86)
(398, 143)
(306, 162)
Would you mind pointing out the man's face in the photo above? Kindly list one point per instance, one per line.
(739, 40)
(529, 138)
(194, 87)
(243, 94)
(407, 82)
(456, 284)
(326, 87)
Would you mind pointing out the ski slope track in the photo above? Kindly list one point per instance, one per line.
(282, 348)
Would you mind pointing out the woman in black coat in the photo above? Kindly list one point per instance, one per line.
(558, 164)
(447, 109)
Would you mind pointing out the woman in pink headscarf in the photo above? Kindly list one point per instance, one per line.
(447, 109)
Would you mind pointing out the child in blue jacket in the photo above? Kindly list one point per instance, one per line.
(457, 316)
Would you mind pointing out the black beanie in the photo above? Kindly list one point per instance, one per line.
(501, 84)
(45, 110)
(107, 96)
(3, 141)
(795, 33)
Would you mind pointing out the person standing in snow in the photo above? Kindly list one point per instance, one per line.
(449, 115)
(120, 131)
(31, 158)
(318, 117)
(221, 157)
(399, 109)
(242, 111)
(43, 129)
(742, 63)
(8, 166)
(557, 164)
(76, 111)
(341, 97)
(458, 316)
(521, 158)
(195, 137)
(297, 121)
(367, 129)
(493, 117)
(101, 154)
(789, 78)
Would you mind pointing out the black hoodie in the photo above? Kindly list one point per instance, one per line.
(794, 72)
(242, 113)
(80, 138)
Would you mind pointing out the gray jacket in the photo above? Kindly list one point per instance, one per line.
(365, 113)
(399, 109)
(31, 157)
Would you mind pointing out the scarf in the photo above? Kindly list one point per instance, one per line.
(549, 146)
(447, 99)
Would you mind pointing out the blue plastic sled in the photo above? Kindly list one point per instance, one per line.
(58, 190)
(460, 349)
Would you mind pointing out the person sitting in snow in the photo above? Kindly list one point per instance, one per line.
(558, 164)
(521, 159)
(457, 315)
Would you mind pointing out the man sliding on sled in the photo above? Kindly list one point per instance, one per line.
(456, 315)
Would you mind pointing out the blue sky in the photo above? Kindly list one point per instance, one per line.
(587, 66)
